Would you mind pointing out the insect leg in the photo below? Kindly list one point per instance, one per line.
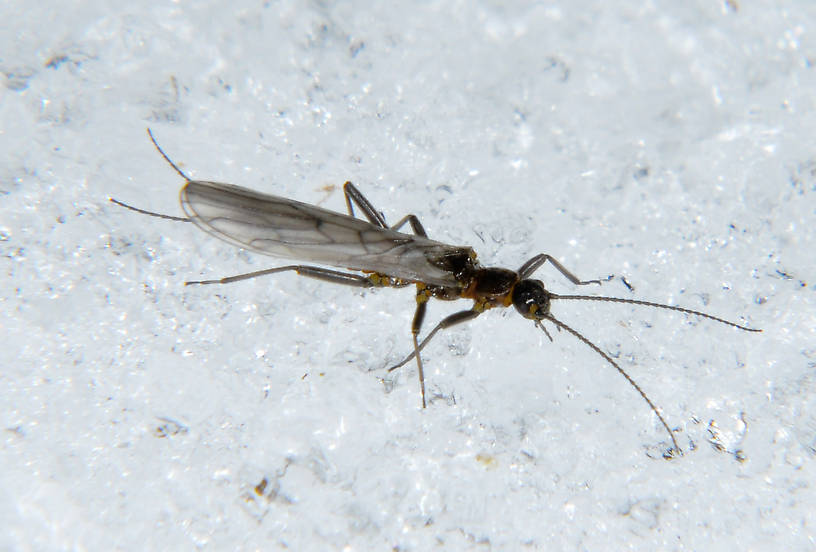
(416, 325)
(354, 195)
(451, 320)
(333, 276)
(416, 226)
(375, 217)
(533, 264)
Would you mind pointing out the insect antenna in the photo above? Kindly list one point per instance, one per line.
(560, 325)
(650, 304)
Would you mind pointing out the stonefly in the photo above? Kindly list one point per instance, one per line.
(375, 254)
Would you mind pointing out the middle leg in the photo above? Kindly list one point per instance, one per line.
(447, 322)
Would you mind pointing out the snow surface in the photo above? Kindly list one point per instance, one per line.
(667, 143)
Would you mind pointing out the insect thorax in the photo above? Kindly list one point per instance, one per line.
(459, 261)
(491, 287)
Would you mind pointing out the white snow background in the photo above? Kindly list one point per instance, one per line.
(667, 143)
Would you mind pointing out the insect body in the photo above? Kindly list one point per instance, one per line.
(382, 256)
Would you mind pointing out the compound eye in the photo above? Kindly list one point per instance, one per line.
(531, 299)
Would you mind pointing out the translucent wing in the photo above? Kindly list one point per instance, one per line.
(290, 229)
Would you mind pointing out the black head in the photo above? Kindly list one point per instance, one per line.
(531, 299)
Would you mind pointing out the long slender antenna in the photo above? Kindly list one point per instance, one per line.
(166, 158)
(650, 304)
(622, 372)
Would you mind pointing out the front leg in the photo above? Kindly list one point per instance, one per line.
(533, 264)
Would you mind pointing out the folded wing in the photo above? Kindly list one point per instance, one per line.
(289, 229)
